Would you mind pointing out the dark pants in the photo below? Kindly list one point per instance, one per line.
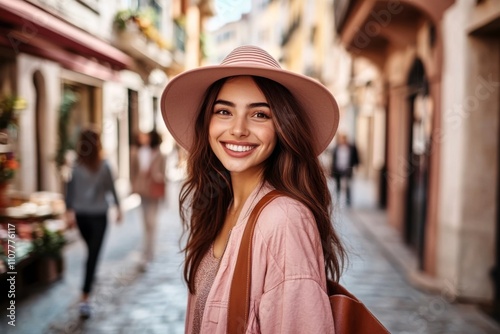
(339, 176)
(92, 229)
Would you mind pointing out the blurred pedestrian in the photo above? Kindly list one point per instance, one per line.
(147, 173)
(250, 127)
(344, 159)
(87, 204)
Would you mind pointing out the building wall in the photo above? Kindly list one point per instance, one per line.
(469, 141)
(26, 67)
(295, 25)
(266, 25)
(224, 39)
(458, 43)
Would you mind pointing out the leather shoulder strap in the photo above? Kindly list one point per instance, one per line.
(239, 295)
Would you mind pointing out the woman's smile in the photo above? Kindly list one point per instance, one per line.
(239, 148)
(241, 132)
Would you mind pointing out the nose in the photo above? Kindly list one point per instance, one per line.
(239, 127)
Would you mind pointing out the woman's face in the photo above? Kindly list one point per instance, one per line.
(241, 131)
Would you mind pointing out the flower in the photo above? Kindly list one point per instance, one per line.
(8, 166)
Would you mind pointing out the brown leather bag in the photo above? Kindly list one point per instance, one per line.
(350, 316)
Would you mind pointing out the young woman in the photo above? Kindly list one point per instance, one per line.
(148, 168)
(250, 127)
(87, 205)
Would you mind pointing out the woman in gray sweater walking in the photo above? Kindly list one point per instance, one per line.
(87, 204)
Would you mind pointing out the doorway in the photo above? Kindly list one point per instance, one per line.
(40, 121)
(495, 272)
(133, 117)
(419, 148)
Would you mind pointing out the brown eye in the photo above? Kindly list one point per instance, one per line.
(261, 114)
(222, 112)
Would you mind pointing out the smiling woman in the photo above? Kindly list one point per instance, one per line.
(256, 128)
(241, 131)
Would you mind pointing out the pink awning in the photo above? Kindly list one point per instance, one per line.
(34, 23)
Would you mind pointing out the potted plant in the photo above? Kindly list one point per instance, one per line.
(47, 245)
(47, 242)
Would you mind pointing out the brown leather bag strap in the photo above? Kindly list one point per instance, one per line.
(239, 295)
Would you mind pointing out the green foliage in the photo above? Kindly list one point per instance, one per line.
(9, 107)
(122, 16)
(47, 242)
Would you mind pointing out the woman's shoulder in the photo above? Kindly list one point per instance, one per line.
(285, 211)
(105, 166)
(105, 163)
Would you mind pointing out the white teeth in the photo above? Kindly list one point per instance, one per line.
(238, 148)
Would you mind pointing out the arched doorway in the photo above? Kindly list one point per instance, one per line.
(40, 122)
(419, 153)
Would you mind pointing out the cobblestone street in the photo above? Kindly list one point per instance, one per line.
(375, 277)
(128, 301)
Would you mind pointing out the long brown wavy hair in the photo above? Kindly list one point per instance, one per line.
(88, 149)
(292, 168)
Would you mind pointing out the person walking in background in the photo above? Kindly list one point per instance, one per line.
(250, 127)
(344, 159)
(147, 173)
(87, 204)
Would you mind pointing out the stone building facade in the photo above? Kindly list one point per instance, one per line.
(439, 68)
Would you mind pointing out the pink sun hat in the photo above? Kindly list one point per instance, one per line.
(183, 95)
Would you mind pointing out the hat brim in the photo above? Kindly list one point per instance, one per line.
(183, 96)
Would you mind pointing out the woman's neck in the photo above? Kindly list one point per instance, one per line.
(243, 184)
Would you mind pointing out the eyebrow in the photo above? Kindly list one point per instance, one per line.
(251, 105)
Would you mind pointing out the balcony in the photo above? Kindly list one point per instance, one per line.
(138, 37)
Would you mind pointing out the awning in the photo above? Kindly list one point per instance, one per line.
(34, 24)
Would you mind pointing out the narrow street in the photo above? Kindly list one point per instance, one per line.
(128, 301)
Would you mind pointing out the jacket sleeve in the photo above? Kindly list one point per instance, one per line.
(296, 306)
(110, 182)
(69, 193)
(294, 298)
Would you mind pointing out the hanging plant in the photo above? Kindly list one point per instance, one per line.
(122, 17)
(144, 21)
(68, 102)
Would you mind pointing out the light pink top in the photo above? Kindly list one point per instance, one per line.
(288, 292)
(203, 283)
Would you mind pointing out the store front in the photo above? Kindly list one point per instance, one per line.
(59, 72)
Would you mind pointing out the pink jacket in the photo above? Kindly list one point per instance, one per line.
(288, 292)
